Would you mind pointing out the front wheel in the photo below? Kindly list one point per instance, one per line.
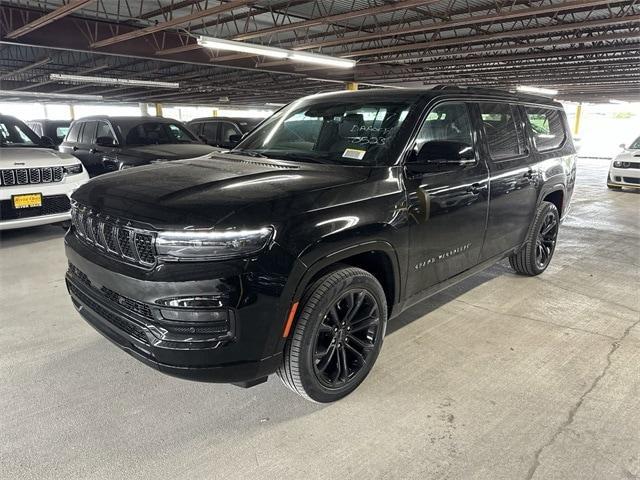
(534, 257)
(338, 336)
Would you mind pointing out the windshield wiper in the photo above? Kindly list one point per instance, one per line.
(250, 153)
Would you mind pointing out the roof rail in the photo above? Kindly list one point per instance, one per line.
(471, 87)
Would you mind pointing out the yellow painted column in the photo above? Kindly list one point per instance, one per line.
(214, 112)
(72, 111)
(576, 125)
(158, 109)
(352, 86)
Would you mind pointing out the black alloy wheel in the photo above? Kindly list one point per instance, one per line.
(337, 336)
(546, 240)
(346, 338)
(535, 255)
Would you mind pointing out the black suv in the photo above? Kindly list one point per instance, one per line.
(222, 131)
(290, 253)
(106, 144)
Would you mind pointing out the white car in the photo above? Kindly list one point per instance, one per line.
(625, 167)
(35, 181)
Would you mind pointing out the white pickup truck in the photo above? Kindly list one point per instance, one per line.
(36, 182)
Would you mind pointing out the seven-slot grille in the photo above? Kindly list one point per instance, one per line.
(114, 238)
(27, 176)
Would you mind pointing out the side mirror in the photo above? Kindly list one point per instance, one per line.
(235, 139)
(105, 142)
(47, 142)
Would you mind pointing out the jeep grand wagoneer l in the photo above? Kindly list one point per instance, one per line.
(289, 254)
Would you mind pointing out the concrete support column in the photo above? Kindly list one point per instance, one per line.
(353, 86)
(72, 112)
(158, 109)
(144, 109)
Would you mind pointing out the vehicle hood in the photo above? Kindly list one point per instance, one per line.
(146, 153)
(632, 155)
(221, 189)
(27, 157)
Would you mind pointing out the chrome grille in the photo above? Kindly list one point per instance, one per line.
(26, 176)
(114, 237)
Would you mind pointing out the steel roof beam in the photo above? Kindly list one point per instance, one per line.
(171, 23)
(52, 16)
(25, 68)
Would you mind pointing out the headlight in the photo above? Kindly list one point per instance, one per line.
(619, 164)
(73, 169)
(209, 244)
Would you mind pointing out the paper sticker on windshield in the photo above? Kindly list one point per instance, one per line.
(353, 153)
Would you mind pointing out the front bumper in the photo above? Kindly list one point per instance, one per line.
(624, 177)
(128, 310)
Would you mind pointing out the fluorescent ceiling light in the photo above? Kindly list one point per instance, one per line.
(220, 44)
(618, 102)
(112, 81)
(67, 96)
(329, 61)
(541, 91)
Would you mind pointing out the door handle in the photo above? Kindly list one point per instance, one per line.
(529, 174)
(74, 148)
(476, 188)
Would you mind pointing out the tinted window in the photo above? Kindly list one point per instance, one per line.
(36, 127)
(154, 133)
(195, 128)
(210, 130)
(547, 127)
(72, 136)
(103, 130)
(226, 130)
(449, 121)
(88, 132)
(504, 138)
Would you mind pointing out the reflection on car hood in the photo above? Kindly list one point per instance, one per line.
(628, 156)
(179, 151)
(32, 157)
(205, 191)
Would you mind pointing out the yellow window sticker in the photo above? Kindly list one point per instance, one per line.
(354, 153)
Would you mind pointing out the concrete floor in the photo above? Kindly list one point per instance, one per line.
(501, 377)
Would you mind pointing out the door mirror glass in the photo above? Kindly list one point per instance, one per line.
(105, 142)
(235, 139)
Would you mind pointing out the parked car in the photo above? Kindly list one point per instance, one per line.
(625, 167)
(53, 129)
(106, 144)
(35, 181)
(289, 254)
(223, 132)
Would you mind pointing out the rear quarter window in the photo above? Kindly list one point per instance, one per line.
(547, 127)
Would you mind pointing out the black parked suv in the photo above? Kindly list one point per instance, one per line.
(106, 144)
(222, 131)
(289, 254)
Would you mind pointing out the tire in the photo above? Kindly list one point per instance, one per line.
(328, 322)
(534, 257)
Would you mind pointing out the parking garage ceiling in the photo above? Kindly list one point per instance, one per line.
(589, 50)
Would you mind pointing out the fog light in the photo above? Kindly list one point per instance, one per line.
(202, 301)
(195, 316)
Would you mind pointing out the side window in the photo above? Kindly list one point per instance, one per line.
(88, 133)
(446, 122)
(547, 127)
(178, 133)
(103, 130)
(210, 130)
(226, 130)
(74, 132)
(504, 137)
(61, 132)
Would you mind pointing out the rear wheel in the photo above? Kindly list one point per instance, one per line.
(338, 336)
(536, 254)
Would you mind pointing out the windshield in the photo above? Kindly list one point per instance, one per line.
(635, 145)
(351, 132)
(16, 135)
(158, 133)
